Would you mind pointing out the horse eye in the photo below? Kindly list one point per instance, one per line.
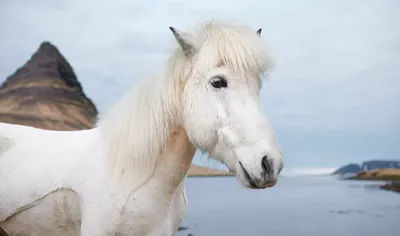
(219, 82)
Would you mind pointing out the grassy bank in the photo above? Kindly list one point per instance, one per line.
(378, 174)
(199, 171)
(392, 175)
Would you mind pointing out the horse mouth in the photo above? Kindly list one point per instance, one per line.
(251, 182)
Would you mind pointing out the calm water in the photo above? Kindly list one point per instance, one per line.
(306, 206)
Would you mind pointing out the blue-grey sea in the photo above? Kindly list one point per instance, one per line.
(296, 206)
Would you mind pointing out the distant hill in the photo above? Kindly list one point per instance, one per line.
(377, 164)
(45, 93)
(348, 169)
(367, 166)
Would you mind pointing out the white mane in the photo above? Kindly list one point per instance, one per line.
(136, 129)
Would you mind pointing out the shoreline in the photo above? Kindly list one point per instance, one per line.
(207, 176)
(392, 176)
(392, 186)
(200, 171)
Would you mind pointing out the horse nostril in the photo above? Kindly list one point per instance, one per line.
(266, 165)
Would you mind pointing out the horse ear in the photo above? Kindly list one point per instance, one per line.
(259, 31)
(184, 41)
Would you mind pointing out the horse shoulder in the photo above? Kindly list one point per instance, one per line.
(59, 214)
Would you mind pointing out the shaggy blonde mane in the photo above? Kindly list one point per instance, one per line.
(136, 129)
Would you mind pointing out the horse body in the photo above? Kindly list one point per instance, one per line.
(54, 198)
(126, 175)
(44, 184)
(51, 167)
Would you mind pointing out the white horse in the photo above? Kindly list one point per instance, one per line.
(126, 175)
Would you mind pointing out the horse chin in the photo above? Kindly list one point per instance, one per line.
(248, 184)
(245, 179)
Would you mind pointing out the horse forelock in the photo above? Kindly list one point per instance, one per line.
(235, 46)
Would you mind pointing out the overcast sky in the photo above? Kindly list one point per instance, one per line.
(333, 97)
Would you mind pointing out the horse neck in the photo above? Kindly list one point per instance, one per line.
(175, 162)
